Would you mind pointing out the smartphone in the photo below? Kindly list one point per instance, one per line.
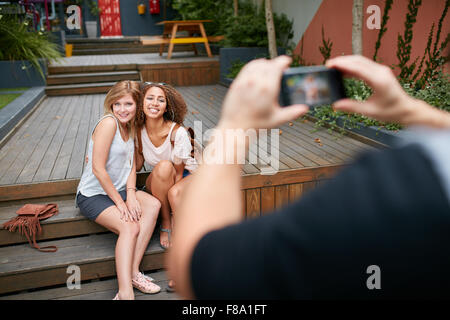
(313, 86)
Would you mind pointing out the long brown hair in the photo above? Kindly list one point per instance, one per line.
(176, 107)
(119, 90)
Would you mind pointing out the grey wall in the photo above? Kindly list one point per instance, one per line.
(134, 24)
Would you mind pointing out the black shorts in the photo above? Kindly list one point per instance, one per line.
(91, 207)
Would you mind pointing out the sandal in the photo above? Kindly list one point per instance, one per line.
(169, 233)
(144, 284)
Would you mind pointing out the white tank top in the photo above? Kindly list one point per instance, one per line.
(118, 165)
(152, 154)
(181, 151)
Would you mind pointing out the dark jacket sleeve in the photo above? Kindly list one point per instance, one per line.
(387, 209)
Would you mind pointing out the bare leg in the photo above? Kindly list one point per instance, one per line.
(125, 245)
(174, 197)
(161, 180)
(150, 208)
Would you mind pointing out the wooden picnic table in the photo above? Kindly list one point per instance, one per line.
(169, 35)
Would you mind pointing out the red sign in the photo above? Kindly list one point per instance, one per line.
(154, 6)
(110, 18)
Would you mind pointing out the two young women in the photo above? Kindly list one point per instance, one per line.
(107, 191)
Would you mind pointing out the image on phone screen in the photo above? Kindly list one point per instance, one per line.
(312, 88)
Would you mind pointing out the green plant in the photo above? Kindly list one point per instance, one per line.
(325, 48)
(404, 42)
(249, 29)
(383, 29)
(217, 11)
(235, 68)
(435, 58)
(19, 43)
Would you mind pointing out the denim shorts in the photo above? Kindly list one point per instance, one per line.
(91, 207)
(186, 173)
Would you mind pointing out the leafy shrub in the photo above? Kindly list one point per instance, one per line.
(249, 29)
(218, 11)
(18, 43)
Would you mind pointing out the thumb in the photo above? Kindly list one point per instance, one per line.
(349, 105)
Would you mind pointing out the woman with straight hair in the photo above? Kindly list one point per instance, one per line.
(107, 192)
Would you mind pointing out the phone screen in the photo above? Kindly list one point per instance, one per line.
(313, 86)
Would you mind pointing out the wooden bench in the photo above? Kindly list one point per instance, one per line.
(169, 35)
(162, 41)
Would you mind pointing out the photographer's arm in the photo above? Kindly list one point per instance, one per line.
(389, 102)
(213, 198)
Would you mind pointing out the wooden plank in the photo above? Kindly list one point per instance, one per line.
(243, 203)
(289, 176)
(95, 258)
(105, 289)
(18, 157)
(64, 115)
(38, 190)
(38, 157)
(61, 165)
(253, 205)
(76, 162)
(267, 199)
(281, 195)
(295, 191)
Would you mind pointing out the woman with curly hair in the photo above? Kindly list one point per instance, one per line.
(165, 145)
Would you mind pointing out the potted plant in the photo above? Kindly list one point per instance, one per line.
(91, 25)
(24, 54)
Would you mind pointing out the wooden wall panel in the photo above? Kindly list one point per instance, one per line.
(267, 199)
(182, 74)
(253, 202)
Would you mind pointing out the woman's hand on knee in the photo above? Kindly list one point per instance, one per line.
(125, 214)
(134, 208)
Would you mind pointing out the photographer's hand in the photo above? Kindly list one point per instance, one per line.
(252, 101)
(389, 102)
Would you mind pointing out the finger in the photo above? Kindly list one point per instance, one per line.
(349, 105)
(285, 114)
(356, 66)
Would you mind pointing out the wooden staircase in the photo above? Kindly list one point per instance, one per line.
(80, 242)
(98, 46)
(86, 80)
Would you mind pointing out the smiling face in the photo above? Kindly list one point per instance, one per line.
(124, 109)
(155, 103)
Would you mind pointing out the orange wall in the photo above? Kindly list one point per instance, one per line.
(336, 17)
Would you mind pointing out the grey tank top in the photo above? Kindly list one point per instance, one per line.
(118, 165)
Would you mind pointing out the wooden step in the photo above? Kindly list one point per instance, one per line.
(126, 50)
(69, 222)
(94, 68)
(22, 267)
(92, 77)
(74, 89)
(103, 40)
(97, 290)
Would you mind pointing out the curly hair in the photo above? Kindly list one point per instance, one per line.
(176, 107)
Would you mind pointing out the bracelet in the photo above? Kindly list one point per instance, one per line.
(132, 189)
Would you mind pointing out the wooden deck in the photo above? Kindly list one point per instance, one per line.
(130, 59)
(52, 143)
